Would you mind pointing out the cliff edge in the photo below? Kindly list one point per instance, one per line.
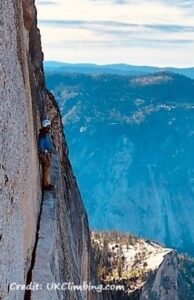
(43, 237)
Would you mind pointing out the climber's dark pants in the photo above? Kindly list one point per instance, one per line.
(45, 160)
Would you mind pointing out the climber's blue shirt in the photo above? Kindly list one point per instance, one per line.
(45, 143)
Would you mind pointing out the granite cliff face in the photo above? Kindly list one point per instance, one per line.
(43, 237)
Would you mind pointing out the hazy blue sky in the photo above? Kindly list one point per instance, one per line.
(140, 32)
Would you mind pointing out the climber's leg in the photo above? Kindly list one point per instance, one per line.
(46, 170)
(46, 176)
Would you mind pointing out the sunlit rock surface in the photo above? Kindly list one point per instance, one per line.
(42, 236)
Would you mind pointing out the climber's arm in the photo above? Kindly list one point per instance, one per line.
(41, 145)
(50, 146)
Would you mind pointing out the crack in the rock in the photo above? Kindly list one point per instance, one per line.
(27, 295)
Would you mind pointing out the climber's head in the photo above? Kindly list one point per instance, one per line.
(46, 124)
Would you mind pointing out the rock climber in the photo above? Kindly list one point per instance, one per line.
(46, 148)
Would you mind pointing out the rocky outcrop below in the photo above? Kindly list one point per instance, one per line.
(146, 270)
(174, 279)
(44, 237)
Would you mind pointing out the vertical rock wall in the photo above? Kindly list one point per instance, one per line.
(62, 222)
(164, 284)
(20, 192)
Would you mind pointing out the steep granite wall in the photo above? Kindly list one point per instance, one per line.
(164, 284)
(42, 237)
(20, 193)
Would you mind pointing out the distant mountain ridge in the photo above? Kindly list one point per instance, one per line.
(120, 69)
